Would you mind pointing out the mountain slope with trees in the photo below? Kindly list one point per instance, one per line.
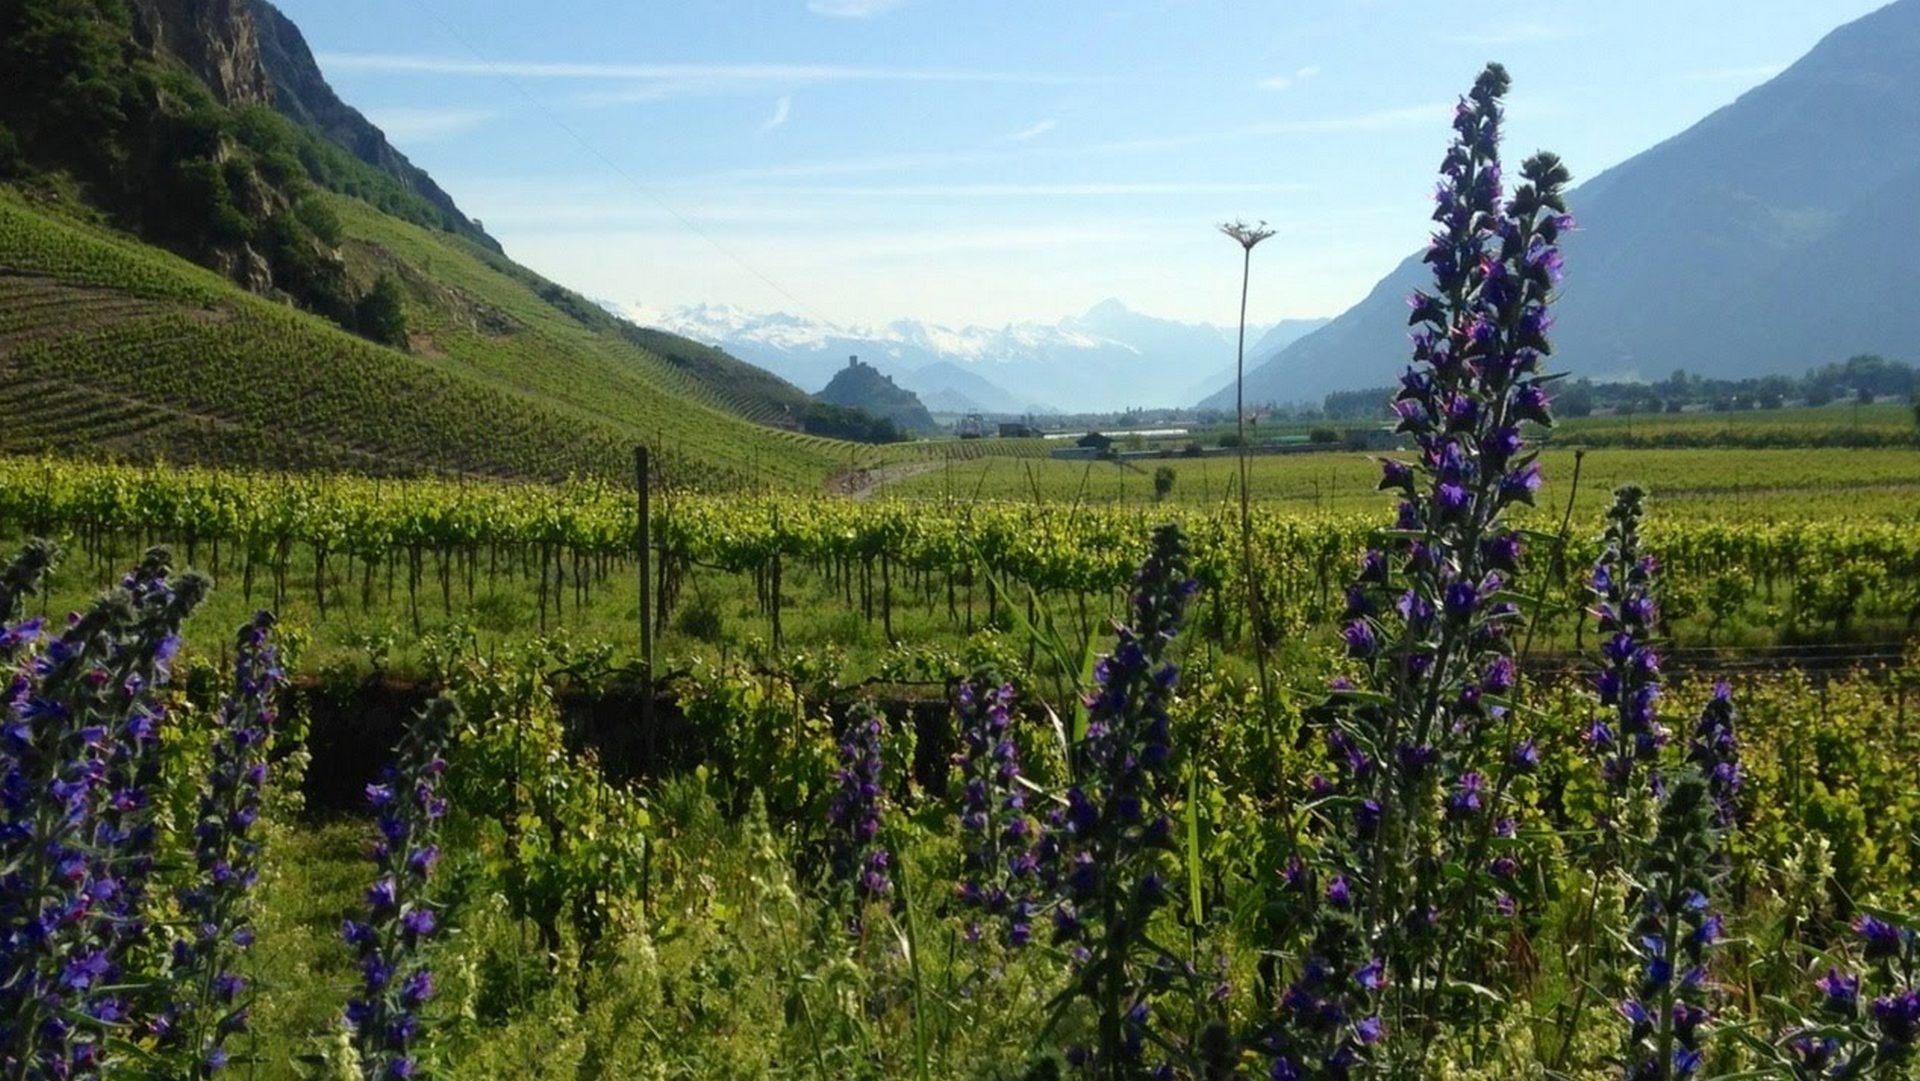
(138, 141)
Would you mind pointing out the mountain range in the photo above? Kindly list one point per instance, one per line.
(1109, 358)
(1780, 232)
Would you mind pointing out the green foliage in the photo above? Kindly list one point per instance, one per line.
(12, 162)
(850, 423)
(566, 847)
(382, 313)
(64, 79)
(1163, 480)
(321, 220)
(763, 737)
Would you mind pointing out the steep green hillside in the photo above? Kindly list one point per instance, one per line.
(108, 346)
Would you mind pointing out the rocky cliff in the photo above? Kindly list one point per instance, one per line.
(213, 38)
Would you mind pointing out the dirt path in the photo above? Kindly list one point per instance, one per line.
(860, 484)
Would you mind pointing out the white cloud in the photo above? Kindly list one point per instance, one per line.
(782, 109)
(403, 63)
(1281, 82)
(1033, 131)
(851, 9)
(412, 125)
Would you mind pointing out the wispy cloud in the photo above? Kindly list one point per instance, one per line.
(1033, 131)
(1281, 82)
(1027, 191)
(1516, 34)
(1749, 73)
(1376, 120)
(411, 64)
(782, 109)
(851, 9)
(647, 92)
(411, 125)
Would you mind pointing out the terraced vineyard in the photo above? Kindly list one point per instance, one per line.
(111, 348)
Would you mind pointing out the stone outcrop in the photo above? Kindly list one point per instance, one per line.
(214, 38)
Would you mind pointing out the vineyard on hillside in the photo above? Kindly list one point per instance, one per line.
(111, 348)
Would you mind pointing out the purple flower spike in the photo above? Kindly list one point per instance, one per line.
(383, 1017)
(854, 818)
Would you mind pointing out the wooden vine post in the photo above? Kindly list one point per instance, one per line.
(641, 478)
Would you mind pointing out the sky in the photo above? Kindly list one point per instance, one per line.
(986, 162)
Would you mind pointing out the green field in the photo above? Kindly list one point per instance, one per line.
(1837, 424)
(1767, 484)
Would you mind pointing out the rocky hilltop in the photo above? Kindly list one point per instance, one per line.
(861, 386)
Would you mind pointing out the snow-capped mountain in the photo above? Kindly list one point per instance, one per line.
(1110, 358)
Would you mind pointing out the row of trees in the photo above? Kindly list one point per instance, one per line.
(1862, 378)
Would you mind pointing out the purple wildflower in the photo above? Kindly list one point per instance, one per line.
(1429, 631)
(1117, 829)
(384, 1015)
(206, 1009)
(860, 858)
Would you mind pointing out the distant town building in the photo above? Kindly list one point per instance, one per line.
(1094, 441)
(1013, 429)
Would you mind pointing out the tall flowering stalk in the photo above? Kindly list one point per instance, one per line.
(1001, 867)
(1628, 735)
(1667, 1009)
(860, 861)
(216, 929)
(1423, 743)
(1867, 1027)
(1116, 829)
(73, 810)
(1247, 236)
(126, 836)
(384, 1018)
(1714, 750)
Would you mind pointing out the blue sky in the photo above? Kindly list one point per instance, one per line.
(978, 161)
